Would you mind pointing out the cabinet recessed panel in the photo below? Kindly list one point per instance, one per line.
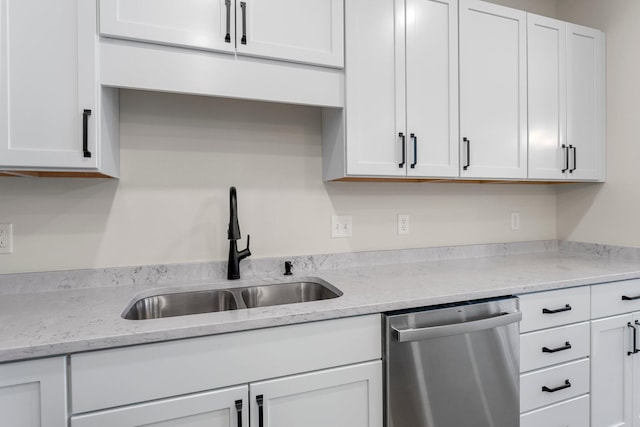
(19, 404)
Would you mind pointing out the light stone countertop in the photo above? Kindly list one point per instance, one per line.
(39, 324)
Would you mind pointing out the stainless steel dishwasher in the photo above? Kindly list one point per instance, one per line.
(455, 365)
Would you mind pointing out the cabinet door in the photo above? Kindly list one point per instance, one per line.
(33, 394)
(571, 413)
(342, 397)
(547, 53)
(202, 24)
(585, 102)
(432, 87)
(375, 88)
(493, 91)
(47, 80)
(611, 372)
(309, 31)
(220, 408)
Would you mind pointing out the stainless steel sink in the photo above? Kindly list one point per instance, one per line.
(287, 293)
(181, 304)
(171, 304)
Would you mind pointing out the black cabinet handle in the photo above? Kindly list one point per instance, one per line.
(227, 38)
(404, 150)
(575, 164)
(239, 412)
(85, 133)
(260, 401)
(415, 150)
(559, 310)
(566, 384)
(635, 339)
(566, 346)
(565, 150)
(626, 298)
(243, 6)
(467, 143)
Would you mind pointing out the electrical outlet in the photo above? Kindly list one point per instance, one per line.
(341, 226)
(6, 238)
(403, 224)
(515, 221)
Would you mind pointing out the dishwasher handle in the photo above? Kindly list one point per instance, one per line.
(410, 334)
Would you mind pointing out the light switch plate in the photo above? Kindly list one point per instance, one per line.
(341, 226)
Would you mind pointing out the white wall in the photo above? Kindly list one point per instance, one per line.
(609, 213)
(181, 153)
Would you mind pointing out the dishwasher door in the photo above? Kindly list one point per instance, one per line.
(454, 365)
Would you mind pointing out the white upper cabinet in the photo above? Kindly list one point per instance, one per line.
(431, 88)
(50, 105)
(547, 53)
(401, 115)
(585, 103)
(374, 145)
(566, 100)
(493, 91)
(189, 23)
(309, 32)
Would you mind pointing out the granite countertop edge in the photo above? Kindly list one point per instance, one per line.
(64, 322)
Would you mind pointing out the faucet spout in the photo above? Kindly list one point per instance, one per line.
(235, 256)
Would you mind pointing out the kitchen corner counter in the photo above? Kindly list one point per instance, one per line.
(64, 321)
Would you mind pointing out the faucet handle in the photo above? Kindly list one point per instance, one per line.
(248, 252)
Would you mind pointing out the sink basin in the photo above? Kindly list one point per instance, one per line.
(287, 293)
(208, 301)
(180, 304)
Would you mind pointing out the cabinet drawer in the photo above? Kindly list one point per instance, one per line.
(554, 308)
(607, 298)
(554, 346)
(572, 413)
(122, 376)
(573, 377)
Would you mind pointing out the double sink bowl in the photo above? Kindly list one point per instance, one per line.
(176, 303)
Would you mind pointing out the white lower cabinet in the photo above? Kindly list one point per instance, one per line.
(572, 413)
(612, 371)
(554, 358)
(34, 393)
(615, 354)
(349, 396)
(325, 373)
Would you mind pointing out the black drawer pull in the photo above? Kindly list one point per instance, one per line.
(559, 310)
(404, 150)
(626, 298)
(565, 149)
(635, 339)
(85, 134)
(567, 346)
(239, 412)
(260, 402)
(566, 384)
(243, 6)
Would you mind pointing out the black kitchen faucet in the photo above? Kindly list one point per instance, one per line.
(235, 256)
